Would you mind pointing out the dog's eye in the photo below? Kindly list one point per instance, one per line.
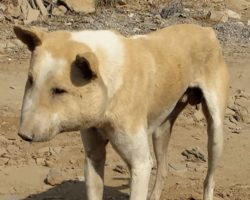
(58, 91)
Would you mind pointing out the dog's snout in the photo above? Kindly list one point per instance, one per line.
(25, 137)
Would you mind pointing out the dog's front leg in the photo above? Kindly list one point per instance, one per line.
(94, 145)
(134, 149)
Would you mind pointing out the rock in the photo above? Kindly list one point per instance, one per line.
(121, 169)
(218, 16)
(86, 6)
(53, 178)
(72, 161)
(2, 17)
(3, 7)
(2, 151)
(14, 11)
(59, 11)
(41, 7)
(240, 23)
(44, 150)
(232, 14)
(4, 161)
(81, 178)
(49, 163)
(235, 129)
(194, 155)
(122, 2)
(173, 7)
(248, 22)
(32, 15)
(40, 161)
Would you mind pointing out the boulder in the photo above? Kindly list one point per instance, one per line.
(86, 6)
(218, 16)
(233, 15)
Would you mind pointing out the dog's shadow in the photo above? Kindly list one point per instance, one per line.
(75, 190)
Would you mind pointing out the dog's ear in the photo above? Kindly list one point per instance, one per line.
(30, 36)
(87, 63)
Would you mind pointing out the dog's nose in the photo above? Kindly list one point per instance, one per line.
(25, 137)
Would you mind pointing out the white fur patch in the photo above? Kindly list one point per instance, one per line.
(49, 65)
(110, 46)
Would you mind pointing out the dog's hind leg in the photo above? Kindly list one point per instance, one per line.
(160, 141)
(213, 105)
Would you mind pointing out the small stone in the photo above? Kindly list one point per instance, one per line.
(49, 163)
(12, 87)
(72, 161)
(14, 11)
(174, 6)
(81, 178)
(218, 16)
(232, 14)
(59, 11)
(121, 169)
(44, 150)
(3, 7)
(4, 161)
(240, 23)
(53, 178)
(248, 22)
(2, 152)
(194, 155)
(122, 2)
(40, 161)
(131, 15)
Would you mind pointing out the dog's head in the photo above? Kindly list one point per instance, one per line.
(64, 90)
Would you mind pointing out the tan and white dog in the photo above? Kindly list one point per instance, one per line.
(122, 90)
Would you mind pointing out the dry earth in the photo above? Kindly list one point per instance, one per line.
(27, 168)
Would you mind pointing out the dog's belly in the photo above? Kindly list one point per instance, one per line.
(155, 122)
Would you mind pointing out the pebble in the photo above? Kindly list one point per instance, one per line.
(40, 161)
(232, 14)
(194, 155)
(121, 169)
(2, 151)
(43, 150)
(4, 161)
(53, 178)
(48, 163)
(81, 178)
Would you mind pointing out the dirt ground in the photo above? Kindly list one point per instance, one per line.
(25, 166)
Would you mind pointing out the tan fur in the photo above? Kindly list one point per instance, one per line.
(148, 88)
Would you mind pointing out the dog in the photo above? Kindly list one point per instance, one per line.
(124, 90)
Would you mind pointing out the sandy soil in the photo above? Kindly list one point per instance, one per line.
(24, 166)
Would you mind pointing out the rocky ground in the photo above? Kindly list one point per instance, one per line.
(54, 170)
